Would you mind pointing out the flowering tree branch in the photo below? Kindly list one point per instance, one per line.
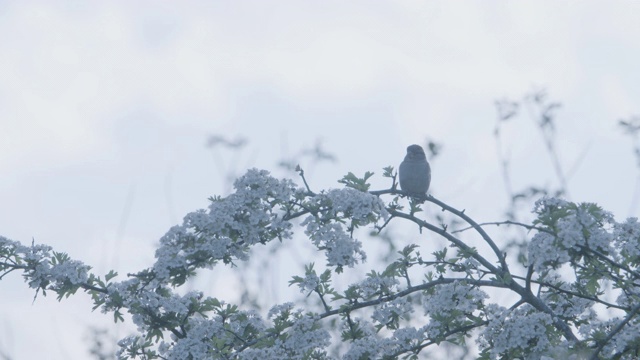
(550, 308)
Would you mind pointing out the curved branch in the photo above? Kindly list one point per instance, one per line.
(421, 287)
(502, 273)
(460, 214)
(573, 293)
(478, 228)
(449, 237)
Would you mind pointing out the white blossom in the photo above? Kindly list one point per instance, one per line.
(571, 228)
(309, 283)
(628, 336)
(339, 247)
(543, 252)
(354, 204)
(522, 330)
(456, 296)
(627, 239)
(278, 310)
(225, 231)
(453, 302)
(377, 285)
(369, 346)
(386, 311)
(303, 337)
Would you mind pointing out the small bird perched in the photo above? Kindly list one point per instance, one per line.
(415, 172)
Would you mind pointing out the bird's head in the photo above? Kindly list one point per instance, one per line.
(415, 152)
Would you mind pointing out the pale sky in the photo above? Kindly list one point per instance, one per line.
(105, 109)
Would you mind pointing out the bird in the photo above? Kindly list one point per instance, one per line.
(415, 172)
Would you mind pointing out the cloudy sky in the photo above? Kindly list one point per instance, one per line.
(106, 108)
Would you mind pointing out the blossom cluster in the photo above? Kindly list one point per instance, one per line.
(569, 229)
(450, 305)
(515, 333)
(253, 214)
(44, 269)
(334, 237)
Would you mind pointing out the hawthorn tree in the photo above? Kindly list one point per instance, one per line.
(578, 258)
(560, 283)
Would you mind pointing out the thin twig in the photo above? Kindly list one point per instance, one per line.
(507, 222)
(301, 172)
(573, 293)
(613, 332)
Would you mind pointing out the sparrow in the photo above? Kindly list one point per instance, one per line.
(415, 172)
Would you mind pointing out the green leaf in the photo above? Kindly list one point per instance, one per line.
(352, 181)
(110, 275)
(117, 316)
(506, 278)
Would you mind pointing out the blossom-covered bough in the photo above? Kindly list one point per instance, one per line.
(579, 262)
